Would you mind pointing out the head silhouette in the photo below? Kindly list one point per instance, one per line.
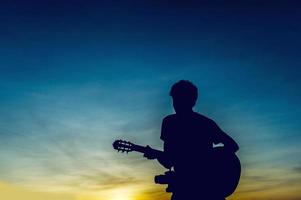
(184, 95)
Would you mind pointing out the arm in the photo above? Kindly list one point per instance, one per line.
(163, 157)
(221, 137)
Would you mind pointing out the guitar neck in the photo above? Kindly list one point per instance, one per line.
(143, 149)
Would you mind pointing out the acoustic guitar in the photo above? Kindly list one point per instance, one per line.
(227, 168)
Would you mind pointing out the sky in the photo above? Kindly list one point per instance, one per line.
(76, 75)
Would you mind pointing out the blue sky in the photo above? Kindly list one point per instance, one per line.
(76, 76)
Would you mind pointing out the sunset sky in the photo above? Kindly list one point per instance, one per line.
(76, 75)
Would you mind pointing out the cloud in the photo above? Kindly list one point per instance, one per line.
(297, 169)
(11, 192)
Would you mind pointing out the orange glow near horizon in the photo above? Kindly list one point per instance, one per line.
(11, 192)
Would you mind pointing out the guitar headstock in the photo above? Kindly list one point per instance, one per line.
(123, 146)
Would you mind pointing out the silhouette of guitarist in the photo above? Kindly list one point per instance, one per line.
(188, 147)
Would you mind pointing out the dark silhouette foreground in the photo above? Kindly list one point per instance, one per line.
(197, 170)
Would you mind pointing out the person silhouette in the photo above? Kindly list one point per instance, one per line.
(188, 146)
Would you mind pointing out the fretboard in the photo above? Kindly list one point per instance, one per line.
(143, 149)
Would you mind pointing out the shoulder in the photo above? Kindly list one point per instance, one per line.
(167, 123)
(169, 118)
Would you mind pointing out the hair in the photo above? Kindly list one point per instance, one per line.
(184, 90)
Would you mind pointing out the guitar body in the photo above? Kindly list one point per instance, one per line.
(220, 178)
(225, 172)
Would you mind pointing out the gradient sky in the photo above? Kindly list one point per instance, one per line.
(75, 75)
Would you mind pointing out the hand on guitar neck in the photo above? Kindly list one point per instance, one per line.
(150, 153)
